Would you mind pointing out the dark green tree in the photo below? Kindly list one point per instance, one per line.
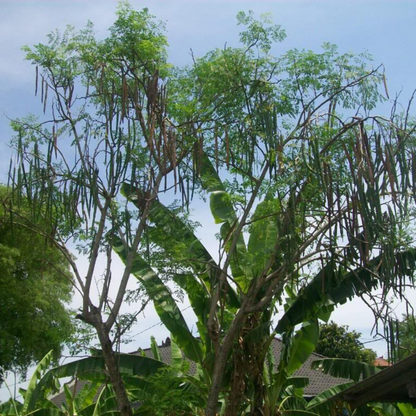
(407, 336)
(35, 289)
(336, 341)
(401, 337)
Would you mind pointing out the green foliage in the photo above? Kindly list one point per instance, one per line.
(345, 368)
(406, 337)
(313, 211)
(167, 393)
(335, 341)
(35, 289)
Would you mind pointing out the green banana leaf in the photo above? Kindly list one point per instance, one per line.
(222, 210)
(263, 235)
(176, 238)
(323, 404)
(31, 396)
(345, 368)
(406, 409)
(173, 234)
(164, 303)
(332, 286)
(91, 368)
(302, 346)
(200, 301)
(46, 412)
(155, 349)
(297, 382)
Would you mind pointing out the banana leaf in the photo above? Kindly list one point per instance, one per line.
(173, 234)
(303, 345)
(332, 286)
(323, 404)
(222, 210)
(164, 303)
(345, 368)
(263, 235)
(91, 368)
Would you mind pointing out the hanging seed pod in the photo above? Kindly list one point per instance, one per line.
(414, 174)
(216, 148)
(136, 100)
(390, 171)
(164, 156)
(36, 80)
(46, 98)
(329, 182)
(42, 88)
(200, 150)
(196, 164)
(124, 97)
(173, 150)
(385, 85)
(227, 147)
(367, 149)
(55, 140)
(280, 156)
(71, 93)
(158, 139)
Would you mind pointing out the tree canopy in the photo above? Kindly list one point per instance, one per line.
(335, 341)
(401, 337)
(35, 290)
(312, 191)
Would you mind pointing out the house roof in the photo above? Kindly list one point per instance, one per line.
(396, 383)
(381, 362)
(318, 381)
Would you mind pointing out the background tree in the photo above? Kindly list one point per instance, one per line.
(401, 337)
(335, 341)
(35, 289)
(407, 336)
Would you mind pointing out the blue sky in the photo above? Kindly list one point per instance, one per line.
(386, 29)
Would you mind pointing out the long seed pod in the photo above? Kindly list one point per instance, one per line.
(55, 140)
(159, 140)
(36, 80)
(42, 88)
(367, 148)
(385, 85)
(227, 147)
(200, 150)
(414, 174)
(46, 98)
(123, 97)
(216, 148)
(172, 153)
(390, 172)
(196, 164)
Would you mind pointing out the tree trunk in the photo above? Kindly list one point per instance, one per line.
(237, 387)
(221, 357)
(113, 371)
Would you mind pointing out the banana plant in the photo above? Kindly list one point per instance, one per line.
(33, 402)
(201, 277)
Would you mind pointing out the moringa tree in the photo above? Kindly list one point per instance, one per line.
(314, 208)
(105, 122)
